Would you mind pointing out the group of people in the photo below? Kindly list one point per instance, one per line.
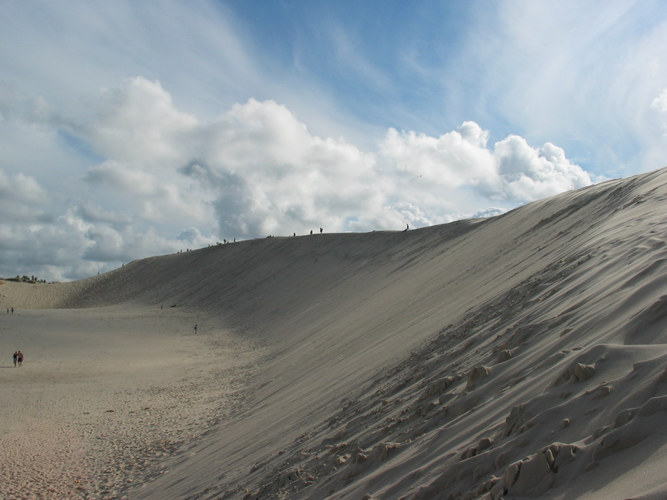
(18, 358)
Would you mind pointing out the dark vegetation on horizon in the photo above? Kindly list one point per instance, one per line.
(25, 279)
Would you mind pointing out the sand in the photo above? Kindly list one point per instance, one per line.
(523, 356)
(105, 394)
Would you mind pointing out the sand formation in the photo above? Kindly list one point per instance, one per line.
(521, 356)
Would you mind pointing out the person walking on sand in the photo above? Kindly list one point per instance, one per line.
(195, 329)
(19, 358)
(16, 356)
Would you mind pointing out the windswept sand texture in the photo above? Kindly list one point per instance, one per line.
(521, 356)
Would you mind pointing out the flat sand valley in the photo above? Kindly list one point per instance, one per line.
(105, 394)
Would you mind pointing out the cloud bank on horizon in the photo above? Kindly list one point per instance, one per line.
(128, 131)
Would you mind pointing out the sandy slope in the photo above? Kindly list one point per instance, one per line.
(519, 356)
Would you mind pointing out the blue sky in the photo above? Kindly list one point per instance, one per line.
(130, 129)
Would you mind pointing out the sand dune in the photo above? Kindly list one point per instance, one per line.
(519, 356)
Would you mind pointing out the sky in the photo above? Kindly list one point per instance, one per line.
(131, 129)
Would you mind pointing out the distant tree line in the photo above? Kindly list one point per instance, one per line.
(25, 279)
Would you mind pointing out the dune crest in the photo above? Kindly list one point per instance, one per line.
(519, 356)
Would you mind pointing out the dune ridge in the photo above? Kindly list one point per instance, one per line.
(519, 356)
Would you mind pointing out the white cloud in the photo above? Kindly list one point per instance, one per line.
(256, 165)
(138, 123)
(20, 187)
(29, 249)
(660, 102)
(269, 174)
(169, 181)
(32, 145)
(91, 212)
(113, 174)
(260, 171)
(22, 199)
(457, 174)
(527, 174)
(71, 246)
(453, 159)
(155, 197)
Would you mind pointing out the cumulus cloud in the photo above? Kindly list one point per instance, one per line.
(33, 248)
(660, 105)
(458, 174)
(268, 169)
(527, 174)
(455, 158)
(75, 244)
(167, 181)
(256, 166)
(258, 170)
(20, 187)
(660, 102)
(22, 198)
(138, 124)
(118, 176)
(89, 211)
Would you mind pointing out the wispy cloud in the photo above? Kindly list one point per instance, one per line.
(582, 76)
